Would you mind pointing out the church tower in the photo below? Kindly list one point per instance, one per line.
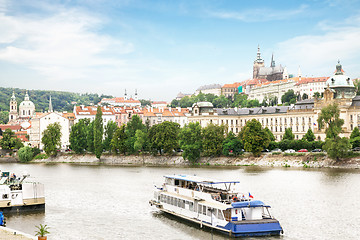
(13, 114)
(50, 105)
(258, 63)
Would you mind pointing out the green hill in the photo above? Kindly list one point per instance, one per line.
(61, 101)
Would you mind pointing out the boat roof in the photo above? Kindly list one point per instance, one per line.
(247, 204)
(196, 179)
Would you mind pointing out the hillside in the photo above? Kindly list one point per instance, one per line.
(61, 101)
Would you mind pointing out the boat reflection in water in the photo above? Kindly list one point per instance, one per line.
(216, 205)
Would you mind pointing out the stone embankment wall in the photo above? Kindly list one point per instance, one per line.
(309, 160)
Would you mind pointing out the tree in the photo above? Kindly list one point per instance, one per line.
(355, 133)
(174, 103)
(335, 146)
(164, 137)
(304, 96)
(355, 138)
(110, 129)
(289, 97)
(288, 134)
(98, 133)
(270, 134)
(52, 139)
(191, 141)
(309, 136)
(4, 117)
(25, 154)
(232, 145)
(255, 137)
(134, 124)
(141, 140)
(78, 136)
(213, 138)
(316, 95)
(90, 137)
(10, 141)
(118, 142)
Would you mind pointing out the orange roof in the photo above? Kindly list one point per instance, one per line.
(68, 115)
(233, 85)
(166, 112)
(22, 135)
(91, 110)
(15, 127)
(309, 80)
(119, 100)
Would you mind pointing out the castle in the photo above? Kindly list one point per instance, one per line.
(271, 73)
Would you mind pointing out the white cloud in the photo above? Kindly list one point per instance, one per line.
(259, 14)
(318, 54)
(60, 47)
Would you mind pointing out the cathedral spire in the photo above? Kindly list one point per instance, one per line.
(125, 97)
(299, 72)
(258, 57)
(26, 96)
(13, 98)
(136, 95)
(272, 61)
(50, 105)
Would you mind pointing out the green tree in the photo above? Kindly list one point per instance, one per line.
(355, 138)
(191, 141)
(288, 134)
(270, 134)
(164, 137)
(98, 133)
(4, 117)
(51, 139)
(232, 145)
(90, 137)
(335, 146)
(110, 129)
(304, 96)
(289, 97)
(118, 142)
(355, 133)
(309, 136)
(316, 95)
(78, 136)
(25, 154)
(134, 124)
(255, 137)
(213, 138)
(141, 140)
(174, 103)
(9, 140)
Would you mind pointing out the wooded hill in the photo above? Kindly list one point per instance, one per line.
(61, 101)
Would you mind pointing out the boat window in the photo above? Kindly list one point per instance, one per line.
(227, 214)
(219, 215)
(200, 208)
(208, 212)
(191, 206)
(204, 210)
(168, 200)
(176, 182)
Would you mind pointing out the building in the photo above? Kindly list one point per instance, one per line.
(229, 90)
(309, 86)
(271, 73)
(124, 114)
(122, 101)
(159, 104)
(41, 122)
(24, 112)
(159, 115)
(299, 117)
(89, 112)
(181, 95)
(209, 89)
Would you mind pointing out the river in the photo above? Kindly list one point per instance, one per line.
(111, 202)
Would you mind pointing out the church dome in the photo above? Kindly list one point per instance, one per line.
(26, 107)
(341, 84)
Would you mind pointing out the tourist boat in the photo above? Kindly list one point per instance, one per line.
(18, 195)
(216, 205)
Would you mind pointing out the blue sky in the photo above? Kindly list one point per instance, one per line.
(161, 48)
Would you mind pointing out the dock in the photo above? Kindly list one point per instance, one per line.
(11, 234)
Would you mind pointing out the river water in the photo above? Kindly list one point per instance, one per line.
(111, 202)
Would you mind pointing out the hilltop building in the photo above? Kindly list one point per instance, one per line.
(25, 111)
(271, 73)
(209, 89)
(122, 101)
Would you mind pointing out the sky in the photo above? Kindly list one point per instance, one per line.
(161, 48)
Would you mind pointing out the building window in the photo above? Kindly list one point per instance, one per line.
(351, 127)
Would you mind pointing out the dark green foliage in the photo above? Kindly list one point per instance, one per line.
(35, 151)
(355, 133)
(118, 142)
(90, 137)
(141, 141)
(255, 137)
(232, 145)
(110, 129)
(304, 96)
(273, 145)
(164, 137)
(335, 146)
(134, 124)
(25, 154)
(289, 97)
(10, 141)
(98, 133)
(191, 141)
(309, 136)
(52, 139)
(175, 103)
(213, 138)
(316, 95)
(4, 117)
(61, 101)
(78, 136)
(288, 135)
(270, 134)
(145, 103)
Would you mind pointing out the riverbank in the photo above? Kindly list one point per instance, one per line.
(298, 160)
(11, 234)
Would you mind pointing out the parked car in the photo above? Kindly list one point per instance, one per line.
(265, 150)
(316, 150)
(356, 149)
(303, 150)
(289, 151)
(276, 150)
